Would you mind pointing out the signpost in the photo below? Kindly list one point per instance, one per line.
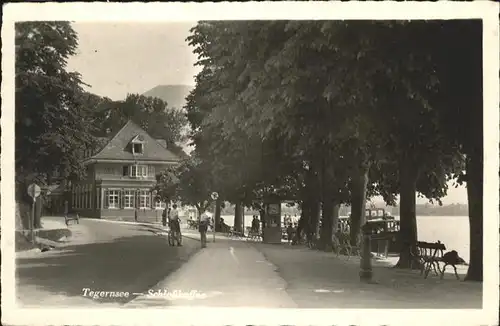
(34, 191)
(214, 196)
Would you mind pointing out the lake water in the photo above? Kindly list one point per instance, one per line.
(453, 231)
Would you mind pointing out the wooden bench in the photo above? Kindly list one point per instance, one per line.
(71, 217)
(254, 235)
(236, 234)
(431, 254)
(192, 224)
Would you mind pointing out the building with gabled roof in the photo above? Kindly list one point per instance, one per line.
(120, 176)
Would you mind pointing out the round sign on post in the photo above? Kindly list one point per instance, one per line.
(34, 191)
(214, 196)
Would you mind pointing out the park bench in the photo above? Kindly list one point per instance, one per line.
(253, 235)
(192, 224)
(430, 255)
(71, 217)
(236, 234)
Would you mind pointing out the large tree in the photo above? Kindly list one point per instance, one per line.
(376, 89)
(53, 122)
(461, 75)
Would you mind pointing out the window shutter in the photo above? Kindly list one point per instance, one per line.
(125, 171)
(136, 197)
(106, 198)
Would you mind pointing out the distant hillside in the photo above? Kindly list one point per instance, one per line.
(174, 95)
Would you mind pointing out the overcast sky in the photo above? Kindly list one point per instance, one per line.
(120, 58)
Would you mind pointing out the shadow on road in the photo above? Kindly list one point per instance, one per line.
(129, 264)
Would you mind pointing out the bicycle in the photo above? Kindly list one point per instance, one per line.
(174, 235)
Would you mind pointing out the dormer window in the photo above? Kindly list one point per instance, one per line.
(137, 149)
(137, 145)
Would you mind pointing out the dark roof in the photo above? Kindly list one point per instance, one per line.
(117, 146)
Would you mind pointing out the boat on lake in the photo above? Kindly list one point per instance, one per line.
(385, 230)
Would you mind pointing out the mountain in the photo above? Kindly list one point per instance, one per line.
(174, 95)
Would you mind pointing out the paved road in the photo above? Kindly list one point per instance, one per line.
(225, 274)
(104, 257)
(240, 274)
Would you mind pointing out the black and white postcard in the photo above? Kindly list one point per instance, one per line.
(252, 163)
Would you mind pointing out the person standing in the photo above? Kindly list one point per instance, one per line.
(175, 224)
(255, 225)
(164, 217)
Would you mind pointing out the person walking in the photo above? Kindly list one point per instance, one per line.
(202, 228)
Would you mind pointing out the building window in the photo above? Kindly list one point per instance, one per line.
(151, 170)
(144, 199)
(137, 148)
(128, 199)
(113, 196)
(138, 171)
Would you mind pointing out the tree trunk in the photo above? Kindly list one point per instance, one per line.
(315, 216)
(262, 214)
(358, 203)
(218, 225)
(335, 217)
(24, 201)
(200, 211)
(38, 213)
(474, 170)
(408, 175)
(325, 242)
(302, 225)
(238, 217)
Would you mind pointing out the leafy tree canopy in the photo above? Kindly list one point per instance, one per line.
(53, 122)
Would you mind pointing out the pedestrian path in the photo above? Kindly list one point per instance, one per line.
(225, 274)
(318, 279)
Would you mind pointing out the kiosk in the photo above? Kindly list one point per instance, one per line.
(272, 229)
